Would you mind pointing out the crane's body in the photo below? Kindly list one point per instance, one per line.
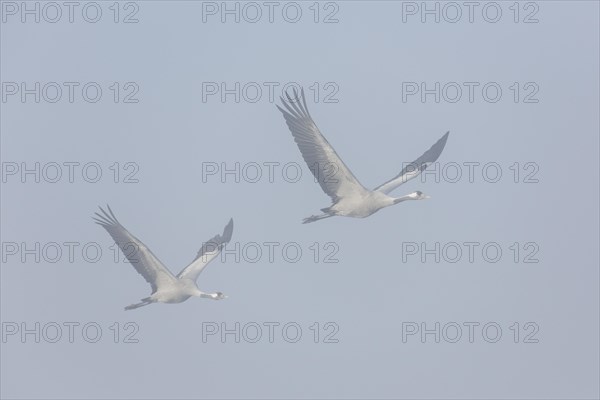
(178, 292)
(364, 205)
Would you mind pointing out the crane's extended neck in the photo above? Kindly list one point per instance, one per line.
(401, 199)
(214, 296)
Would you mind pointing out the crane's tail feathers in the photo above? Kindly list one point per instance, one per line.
(144, 302)
(314, 218)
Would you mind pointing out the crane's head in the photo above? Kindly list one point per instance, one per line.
(418, 195)
(218, 296)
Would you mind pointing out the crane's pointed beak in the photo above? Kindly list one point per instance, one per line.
(427, 197)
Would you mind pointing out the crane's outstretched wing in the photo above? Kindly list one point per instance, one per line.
(415, 168)
(207, 253)
(140, 256)
(333, 175)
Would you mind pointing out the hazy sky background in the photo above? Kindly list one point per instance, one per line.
(370, 292)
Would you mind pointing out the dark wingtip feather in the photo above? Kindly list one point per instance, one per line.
(99, 222)
(281, 109)
(441, 143)
(291, 111)
(305, 106)
(288, 96)
(296, 104)
(228, 231)
(106, 218)
(102, 218)
(112, 214)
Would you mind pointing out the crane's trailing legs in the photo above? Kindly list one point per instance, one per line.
(314, 218)
(144, 302)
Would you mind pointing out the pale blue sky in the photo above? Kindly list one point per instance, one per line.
(370, 292)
